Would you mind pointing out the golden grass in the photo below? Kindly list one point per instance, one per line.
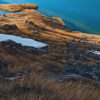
(37, 87)
(17, 7)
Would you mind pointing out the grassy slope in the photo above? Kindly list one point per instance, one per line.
(37, 85)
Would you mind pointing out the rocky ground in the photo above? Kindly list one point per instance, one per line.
(67, 55)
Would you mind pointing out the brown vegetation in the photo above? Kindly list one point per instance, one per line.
(49, 29)
(17, 7)
(38, 82)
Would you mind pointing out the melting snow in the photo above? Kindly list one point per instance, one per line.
(22, 41)
(94, 52)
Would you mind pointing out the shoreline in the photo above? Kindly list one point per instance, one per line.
(19, 7)
(74, 24)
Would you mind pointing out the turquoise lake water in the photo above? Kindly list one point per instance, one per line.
(81, 15)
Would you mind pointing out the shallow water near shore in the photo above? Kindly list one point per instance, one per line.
(81, 15)
(3, 12)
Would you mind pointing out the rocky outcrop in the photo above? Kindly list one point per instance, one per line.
(14, 46)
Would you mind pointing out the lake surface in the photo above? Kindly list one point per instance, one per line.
(81, 15)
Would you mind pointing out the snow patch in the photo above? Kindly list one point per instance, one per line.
(22, 41)
(94, 52)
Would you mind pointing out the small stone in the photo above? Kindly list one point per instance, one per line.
(10, 26)
(29, 22)
(4, 15)
(90, 75)
(35, 32)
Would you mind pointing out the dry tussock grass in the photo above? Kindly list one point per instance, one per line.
(38, 87)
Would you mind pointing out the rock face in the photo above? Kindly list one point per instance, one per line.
(17, 7)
